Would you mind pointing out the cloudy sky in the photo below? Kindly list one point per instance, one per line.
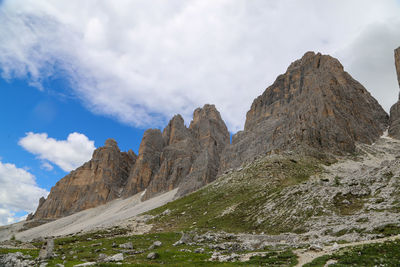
(74, 73)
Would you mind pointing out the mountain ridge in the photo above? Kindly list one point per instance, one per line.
(314, 107)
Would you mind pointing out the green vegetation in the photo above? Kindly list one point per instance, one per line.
(32, 252)
(387, 230)
(382, 254)
(234, 204)
(285, 258)
(348, 204)
(87, 247)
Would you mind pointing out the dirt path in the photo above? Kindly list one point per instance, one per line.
(306, 256)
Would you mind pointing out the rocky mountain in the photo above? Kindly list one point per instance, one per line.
(182, 157)
(315, 105)
(394, 129)
(190, 156)
(95, 183)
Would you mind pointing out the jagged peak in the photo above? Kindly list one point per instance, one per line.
(110, 142)
(208, 111)
(175, 130)
(312, 61)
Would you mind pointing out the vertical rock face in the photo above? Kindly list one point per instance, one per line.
(190, 156)
(96, 182)
(397, 63)
(315, 104)
(147, 163)
(394, 129)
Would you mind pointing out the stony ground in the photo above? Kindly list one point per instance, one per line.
(280, 210)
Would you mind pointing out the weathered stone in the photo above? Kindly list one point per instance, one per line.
(91, 263)
(128, 245)
(96, 182)
(155, 244)
(46, 252)
(394, 129)
(315, 105)
(115, 258)
(152, 255)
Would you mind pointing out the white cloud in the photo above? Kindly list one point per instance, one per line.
(142, 64)
(47, 166)
(67, 154)
(18, 192)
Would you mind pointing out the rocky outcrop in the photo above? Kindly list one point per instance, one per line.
(394, 129)
(314, 105)
(96, 182)
(147, 163)
(190, 156)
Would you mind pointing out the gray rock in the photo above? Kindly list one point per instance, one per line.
(199, 250)
(127, 245)
(156, 244)
(152, 255)
(46, 252)
(91, 263)
(185, 239)
(115, 258)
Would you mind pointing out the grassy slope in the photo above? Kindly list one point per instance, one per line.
(234, 202)
(84, 248)
(385, 254)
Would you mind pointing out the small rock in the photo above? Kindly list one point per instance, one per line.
(90, 263)
(114, 258)
(152, 256)
(156, 244)
(128, 245)
(59, 265)
(199, 250)
(47, 250)
(316, 247)
(166, 212)
(96, 244)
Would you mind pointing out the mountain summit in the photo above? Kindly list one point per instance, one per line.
(314, 107)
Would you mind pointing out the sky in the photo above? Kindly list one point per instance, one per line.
(74, 73)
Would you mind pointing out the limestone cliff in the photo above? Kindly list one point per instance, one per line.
(316, 105)
(96, 182)
(189, 158)
(394, 129)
